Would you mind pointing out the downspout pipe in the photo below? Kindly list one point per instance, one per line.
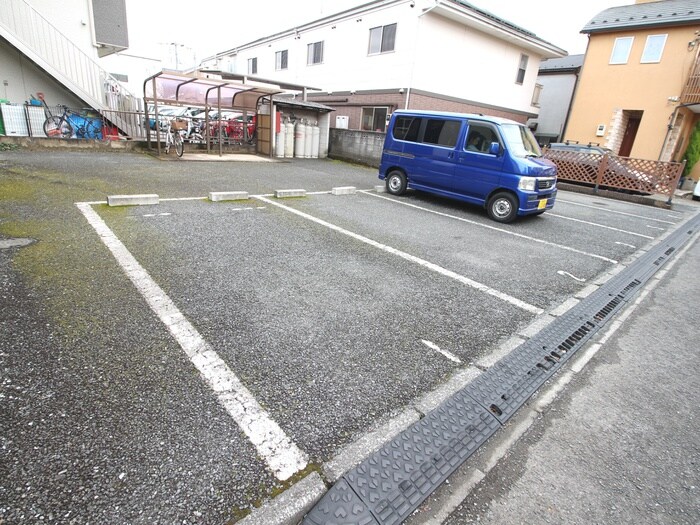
(413, 65)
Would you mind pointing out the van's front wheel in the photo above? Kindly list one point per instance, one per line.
(396, 183)
(502, 207)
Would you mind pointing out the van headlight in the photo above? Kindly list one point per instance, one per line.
(527, 184)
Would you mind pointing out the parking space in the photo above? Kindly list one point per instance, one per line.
(332, 312)
(186, 361)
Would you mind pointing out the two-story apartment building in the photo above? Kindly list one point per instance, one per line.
(58, 48)
(393, 54)
(638, 93)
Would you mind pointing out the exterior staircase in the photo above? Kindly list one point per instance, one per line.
(35, 37)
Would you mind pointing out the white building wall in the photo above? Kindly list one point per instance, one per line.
(73, 18)
(432, 53)
(346, 63)
(458, 61)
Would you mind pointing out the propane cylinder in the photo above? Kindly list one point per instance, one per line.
(300, 139)
(279, 141)
(309, 141)
(315, 140)
(289, 139)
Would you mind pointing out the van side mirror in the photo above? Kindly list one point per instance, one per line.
(494, 148)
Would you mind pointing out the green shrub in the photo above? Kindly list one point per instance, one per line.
(692, 153)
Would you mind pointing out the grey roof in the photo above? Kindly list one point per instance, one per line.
(291, 101)
(663, 13)
(570, 63)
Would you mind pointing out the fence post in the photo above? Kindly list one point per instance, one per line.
(601, 171)
(680, 168)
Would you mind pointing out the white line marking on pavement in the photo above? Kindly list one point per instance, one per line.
(448, 355)
(282, 456)
(412, 258)
(655, 228)
(625, 244)
(617, 212)
(579, 279)
(599, 225)
(495, 228)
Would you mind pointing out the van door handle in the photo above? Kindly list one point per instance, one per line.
(451, 155)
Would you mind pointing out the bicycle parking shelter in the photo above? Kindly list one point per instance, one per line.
(229, 92)
(175, 89)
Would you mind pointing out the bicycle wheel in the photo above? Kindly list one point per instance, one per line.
(57, 127)
(179, 144)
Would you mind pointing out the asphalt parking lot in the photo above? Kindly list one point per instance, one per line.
(322, 318)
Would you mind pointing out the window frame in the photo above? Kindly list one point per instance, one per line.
(536, 94)
(618, 41)
(311, 53)
(374, 117)
(253, 66)
(647, 46)
(282, 60)
(381, 40)
(522, 69)
(475, 126)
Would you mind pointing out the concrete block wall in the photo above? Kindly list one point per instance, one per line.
(362, 147)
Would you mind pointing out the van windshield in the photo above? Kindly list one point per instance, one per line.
(521, 141)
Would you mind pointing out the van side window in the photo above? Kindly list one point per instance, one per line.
(480, 137)
(407, 128)
(442, 132)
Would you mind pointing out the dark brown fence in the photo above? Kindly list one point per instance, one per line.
(619, 173)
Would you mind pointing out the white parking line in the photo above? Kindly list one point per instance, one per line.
(625, 244)
(616, 212)
(448, 355)
(655, 228)
(412, 258)
(282, 456)
(600, 226)
(495, 228)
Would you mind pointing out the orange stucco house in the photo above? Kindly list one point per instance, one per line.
(639, 91)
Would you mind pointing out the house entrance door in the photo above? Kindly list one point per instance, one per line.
(633, 122)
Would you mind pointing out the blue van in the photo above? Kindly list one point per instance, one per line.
(489, 161)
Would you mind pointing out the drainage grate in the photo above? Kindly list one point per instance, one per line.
(390, 484)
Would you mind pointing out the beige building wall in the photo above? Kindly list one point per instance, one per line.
(608, 94)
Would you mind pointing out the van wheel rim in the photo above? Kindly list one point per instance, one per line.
(501, 208)
(395, 183)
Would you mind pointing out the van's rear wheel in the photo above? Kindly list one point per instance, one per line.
(502, 207)
(396, 183)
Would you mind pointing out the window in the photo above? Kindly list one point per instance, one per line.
(480, 137)
(314, 53)
(621, 50)
(407, 128)
(252, 66)
(442, 132)
(653, 49)
(382, 39)
(522, 68)
(281, 60)
(536, 95)
(374, 119)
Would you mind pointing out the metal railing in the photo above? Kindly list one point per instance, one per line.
(40, 40)
(618, 173)
(691, 90)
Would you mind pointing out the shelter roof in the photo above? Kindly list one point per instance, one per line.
(174, 88)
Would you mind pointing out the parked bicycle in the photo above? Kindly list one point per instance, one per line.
(173, 136)
(71, 123)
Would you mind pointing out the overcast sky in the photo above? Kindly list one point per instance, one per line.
(210, 26)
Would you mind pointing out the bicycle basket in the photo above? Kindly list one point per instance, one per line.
(179, 124)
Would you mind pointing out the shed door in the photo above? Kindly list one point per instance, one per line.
(264, 131)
